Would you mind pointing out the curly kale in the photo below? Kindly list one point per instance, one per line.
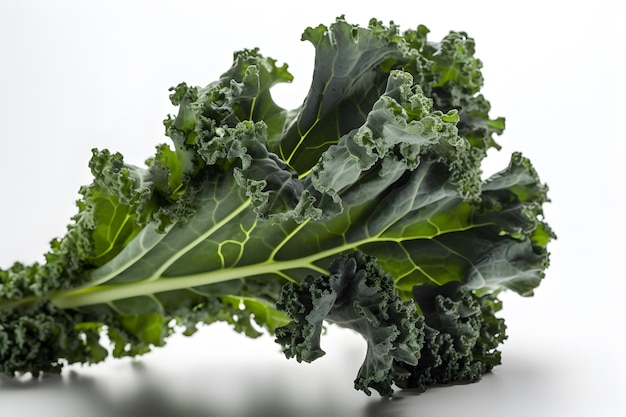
(364, 207)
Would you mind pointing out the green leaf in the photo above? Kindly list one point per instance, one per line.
(351, 69)
(364, 207)
(359, 295)
(461, 338)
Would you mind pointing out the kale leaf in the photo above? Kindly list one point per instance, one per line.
(364, 207)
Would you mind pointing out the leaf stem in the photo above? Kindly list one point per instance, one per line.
(108, 293)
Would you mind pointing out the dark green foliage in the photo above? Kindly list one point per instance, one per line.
(364, 207)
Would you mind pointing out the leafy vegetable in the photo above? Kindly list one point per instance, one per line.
(364, 207)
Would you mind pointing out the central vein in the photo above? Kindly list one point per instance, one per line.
(109, 293)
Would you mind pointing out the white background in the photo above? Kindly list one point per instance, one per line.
(77, 75)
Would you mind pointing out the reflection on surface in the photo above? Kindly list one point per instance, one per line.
(198, 377)
(141, 393)
(79, 395)
(138, 390)
(222, 374)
